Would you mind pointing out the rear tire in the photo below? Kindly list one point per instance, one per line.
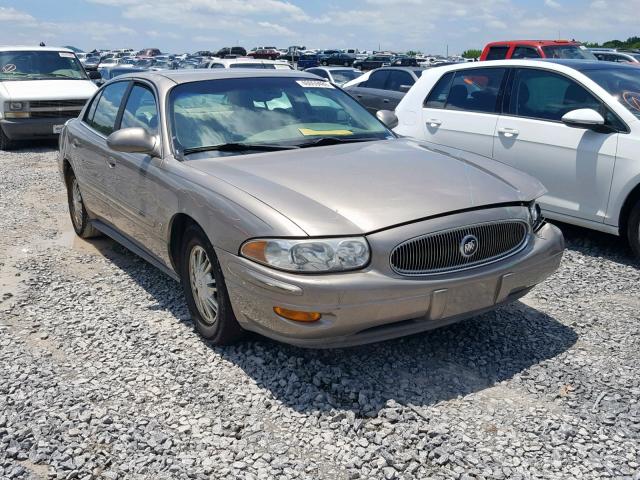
(79, 216)
(324, 63)
(633, 229)
(5, 142)
(205, 290)
(346, 64)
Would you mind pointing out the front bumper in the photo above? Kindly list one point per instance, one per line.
(30, 128)
(373, 305)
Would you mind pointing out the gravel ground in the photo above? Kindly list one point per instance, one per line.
(103, 376)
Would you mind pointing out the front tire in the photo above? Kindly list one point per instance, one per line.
(5, 142)
(79, 216)
(633, 229)
(205, 290)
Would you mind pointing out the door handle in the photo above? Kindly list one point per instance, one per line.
(385, 100)
(359, 96)
(508, 132)
(111, 162)
(434, 122)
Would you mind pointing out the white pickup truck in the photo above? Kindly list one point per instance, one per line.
(40, 89)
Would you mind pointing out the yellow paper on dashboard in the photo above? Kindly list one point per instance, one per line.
(308, 132)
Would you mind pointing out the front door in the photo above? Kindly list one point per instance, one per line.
(574, 164)
(138, 177)
(461, 110)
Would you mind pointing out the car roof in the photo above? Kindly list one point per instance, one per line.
(187, 76)
(28, 48)
(332, 68)
(551, 63)
(535, 43)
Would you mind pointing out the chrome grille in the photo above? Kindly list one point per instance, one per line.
(441, 252)
(54, 104)
(56, 114)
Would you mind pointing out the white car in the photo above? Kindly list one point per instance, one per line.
(40, 89)
(573, 124)
(248, 62)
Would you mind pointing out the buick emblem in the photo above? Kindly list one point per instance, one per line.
(469, 246)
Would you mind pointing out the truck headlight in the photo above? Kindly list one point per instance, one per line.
(535, 216)
(313, 255)
(17, 106)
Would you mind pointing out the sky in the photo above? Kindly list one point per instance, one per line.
(430, 26)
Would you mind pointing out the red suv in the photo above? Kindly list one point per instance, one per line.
(265, 54)
(536, 49)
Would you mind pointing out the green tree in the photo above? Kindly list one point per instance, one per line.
(413, 53)
(472, 53)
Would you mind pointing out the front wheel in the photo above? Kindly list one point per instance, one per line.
(324, 63)
(346, 64)
(205, 290)
(79, 216)
(633, 229)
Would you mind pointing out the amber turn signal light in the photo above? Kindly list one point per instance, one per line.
(296, 315)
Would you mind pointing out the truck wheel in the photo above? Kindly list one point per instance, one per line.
(79, 216)
(633, 229)
(5, 142)
(205, 290)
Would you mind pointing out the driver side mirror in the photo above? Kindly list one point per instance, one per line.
(583, 118)
(134, 140)
(387, 117)
(405, 88)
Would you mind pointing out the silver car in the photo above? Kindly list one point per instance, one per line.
(284, 208)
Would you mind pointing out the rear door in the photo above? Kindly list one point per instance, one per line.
(462, 109)
(371, 92)
(398, 83)
(93, 156)
(574, 164)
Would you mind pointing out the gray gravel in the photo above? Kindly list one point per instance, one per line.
(103, 376)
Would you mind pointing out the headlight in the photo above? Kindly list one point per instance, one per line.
(17, 106)
(535, 216)
(309, 255)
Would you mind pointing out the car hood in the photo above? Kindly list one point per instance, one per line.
(358, 188)
(49, 89)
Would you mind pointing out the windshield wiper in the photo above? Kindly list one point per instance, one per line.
(238, 147)
(319, 142)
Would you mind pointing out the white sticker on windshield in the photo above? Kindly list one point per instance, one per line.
(65, 54)
(314, 84)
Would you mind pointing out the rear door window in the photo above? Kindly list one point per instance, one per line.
(498, 52)
(397, 78)
(106, 113)
(525, 52)
(437, 98)
(476, 90)
(376, 80)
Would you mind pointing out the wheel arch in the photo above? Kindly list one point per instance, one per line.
(632, 198)
(178, 225)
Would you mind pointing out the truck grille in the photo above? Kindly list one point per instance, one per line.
(55, 104)
(444, 251)
(56, 114)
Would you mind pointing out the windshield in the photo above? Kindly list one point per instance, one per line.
(267, 111)
(343, 76)
(575, 52)
(622, 83)
(40, 65)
